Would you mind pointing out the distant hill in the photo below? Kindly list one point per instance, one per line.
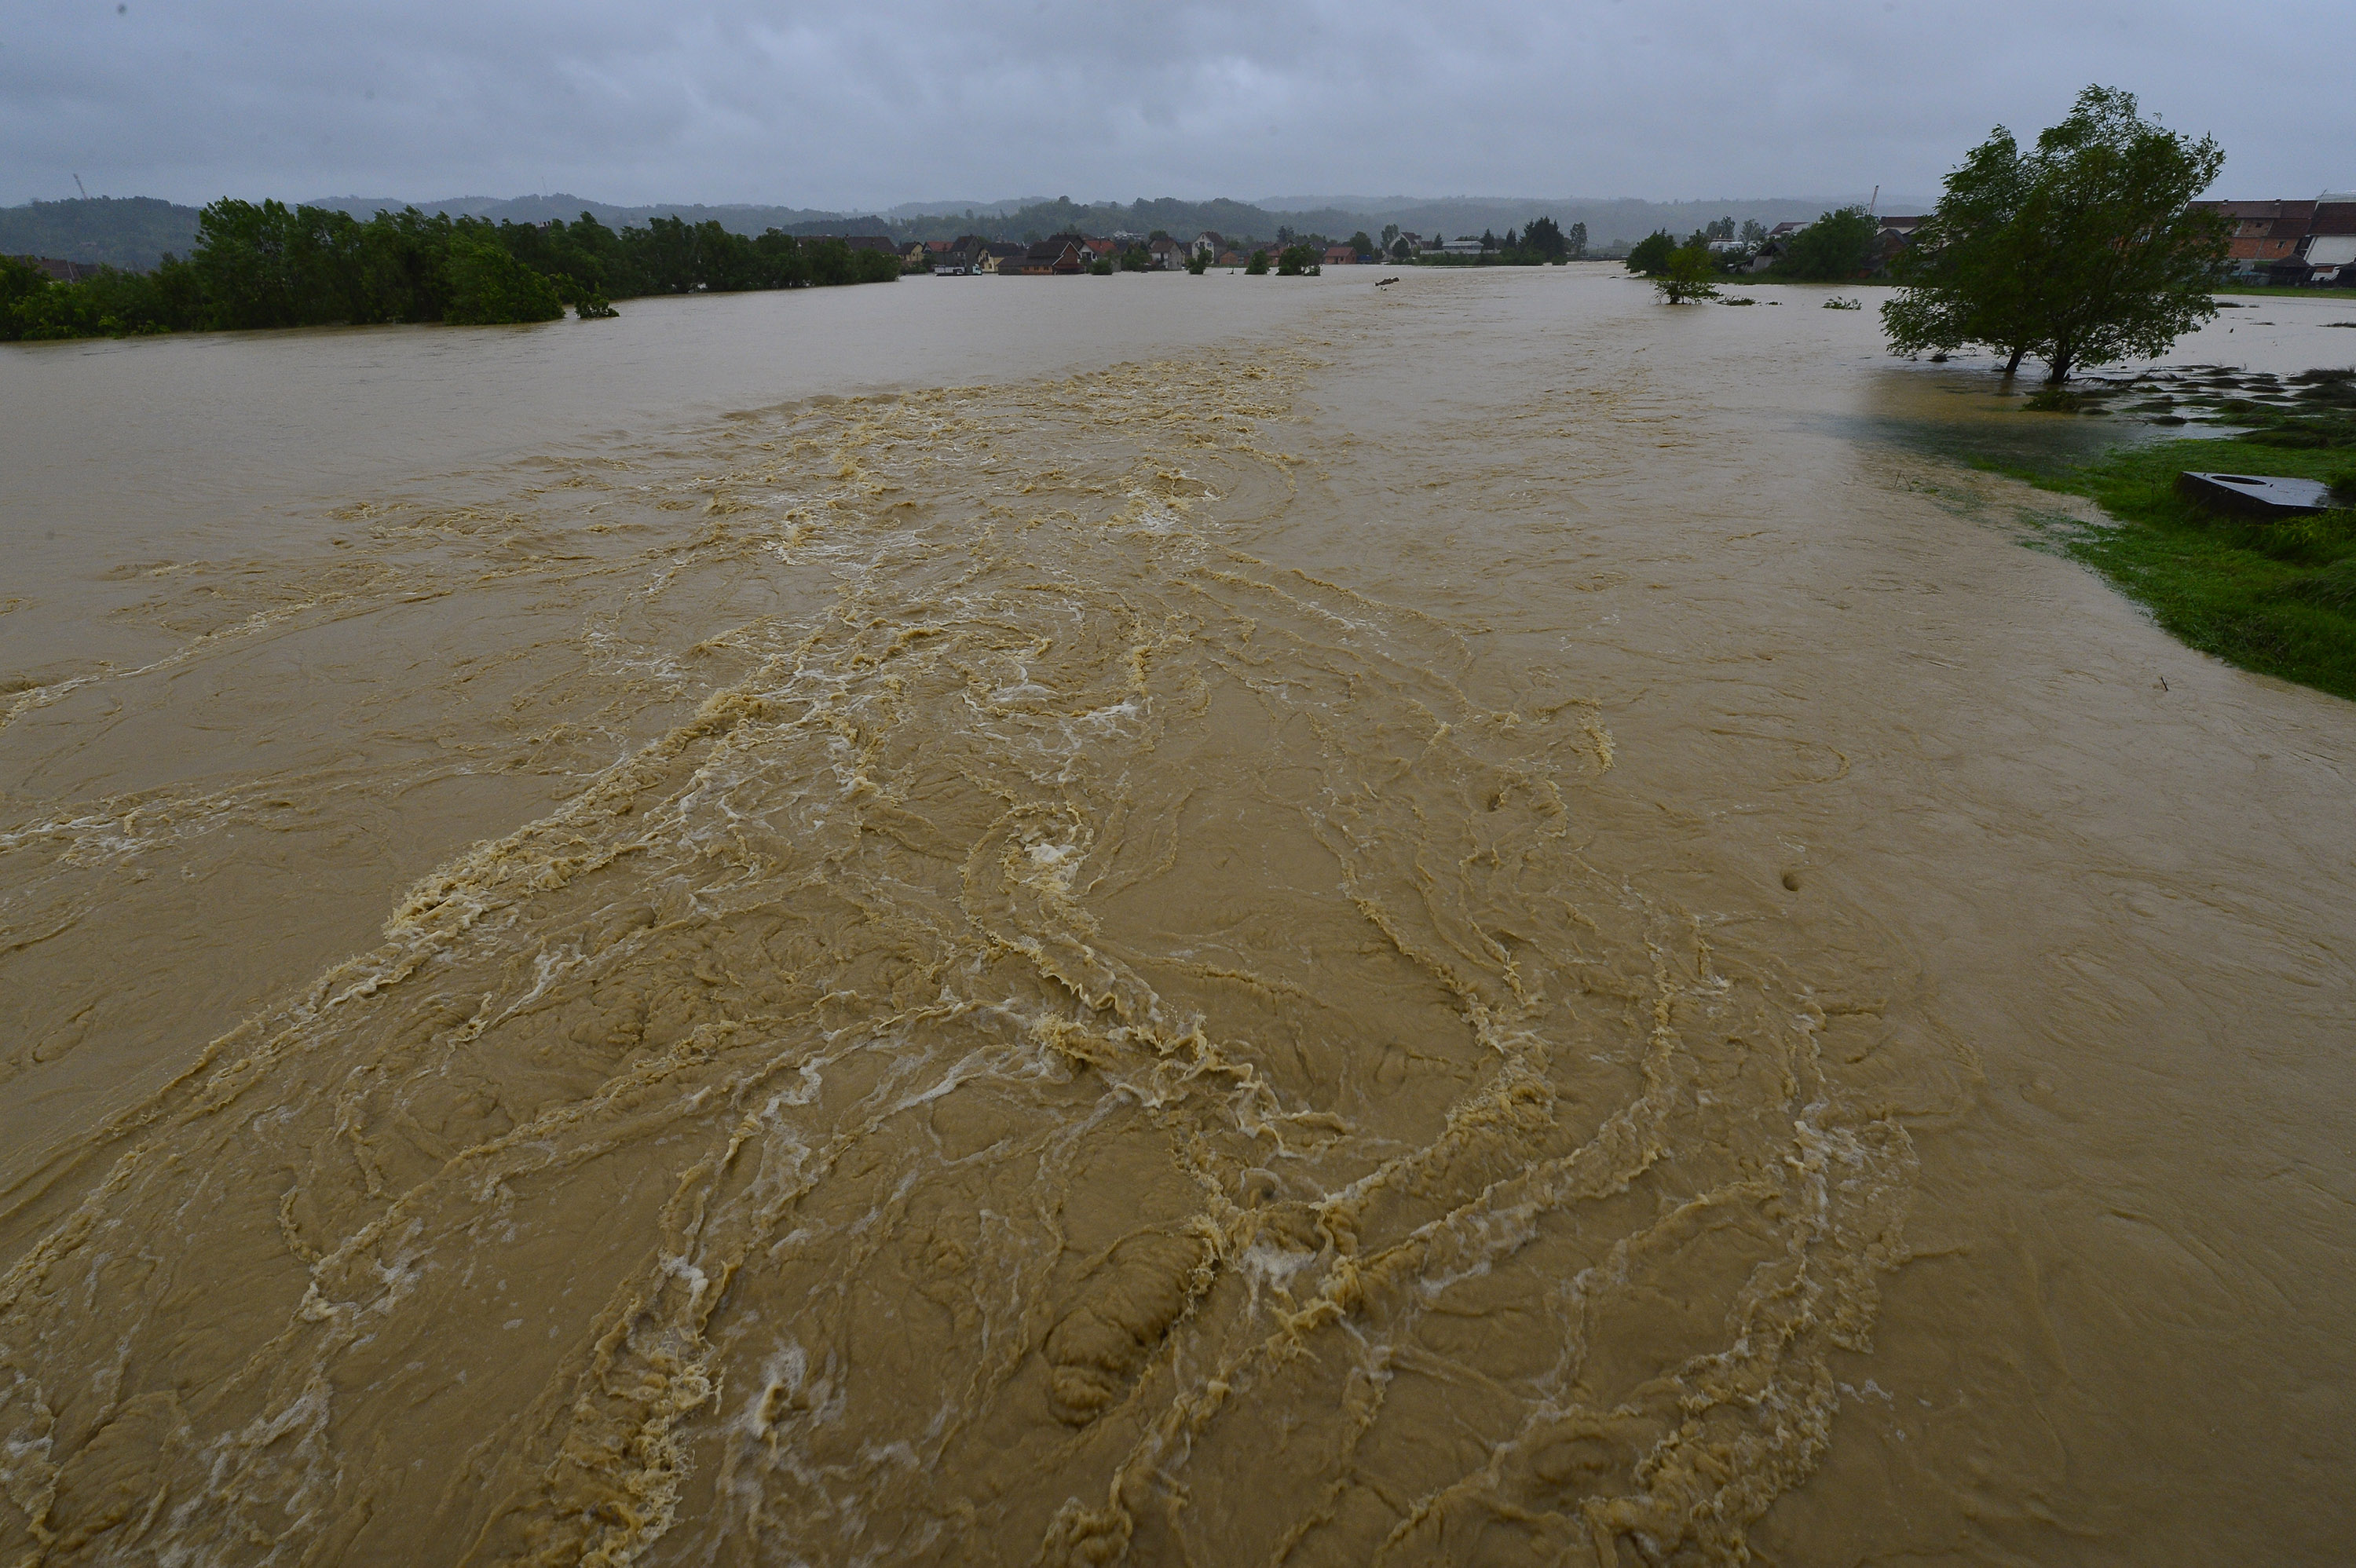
(737, 217)
(908, 210)
(135, 231)
(1033, 219)
(1609, 222)
(1064, 215)
(128, 231)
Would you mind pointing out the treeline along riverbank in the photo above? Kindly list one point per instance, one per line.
(267, 264)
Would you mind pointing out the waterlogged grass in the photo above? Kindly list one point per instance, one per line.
(2275, 291)
(2275, 597)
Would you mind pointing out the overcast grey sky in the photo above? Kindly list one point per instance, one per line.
(861, 103)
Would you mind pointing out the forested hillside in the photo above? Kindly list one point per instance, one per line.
(129, 231)
(737, 217)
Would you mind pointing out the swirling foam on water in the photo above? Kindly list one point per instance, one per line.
(1091, 1040)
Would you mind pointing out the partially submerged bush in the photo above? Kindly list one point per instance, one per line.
(1689, 273)
(2055, 400)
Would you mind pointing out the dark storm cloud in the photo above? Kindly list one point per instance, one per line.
(858, 103)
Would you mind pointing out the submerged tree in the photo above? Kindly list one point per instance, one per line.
(1689, 273)
(487, 285)
(268, 264)
(1651, 253)
(2079, 252)
(1966, 276)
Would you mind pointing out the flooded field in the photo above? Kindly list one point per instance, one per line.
(1174, 921)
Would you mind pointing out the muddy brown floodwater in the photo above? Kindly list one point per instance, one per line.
(1174, 921)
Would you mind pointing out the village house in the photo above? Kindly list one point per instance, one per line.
(1341, 256)
(1892, 235)
(957, 257)
(2291, 243)
(2330, 255)
(1058, 255)
(1169, 256)
(1770, 249)
(1209, 242)
(993, 256)
(59, 271)
(2261, 233)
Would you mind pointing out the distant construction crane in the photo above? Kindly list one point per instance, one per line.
(80, 186)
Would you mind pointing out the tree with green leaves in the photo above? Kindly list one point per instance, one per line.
(1361, 244)
(1836, 247)
(1651, 255)
(1258, 266)
(267, 264)
(2081, 251)
(1966, 281)
(1689, 273)
(1544, 238)
(1295, 260)
(488, 284)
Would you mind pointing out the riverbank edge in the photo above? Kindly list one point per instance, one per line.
(2275, 598)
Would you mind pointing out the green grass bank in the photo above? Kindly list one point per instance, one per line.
(2277, 597)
